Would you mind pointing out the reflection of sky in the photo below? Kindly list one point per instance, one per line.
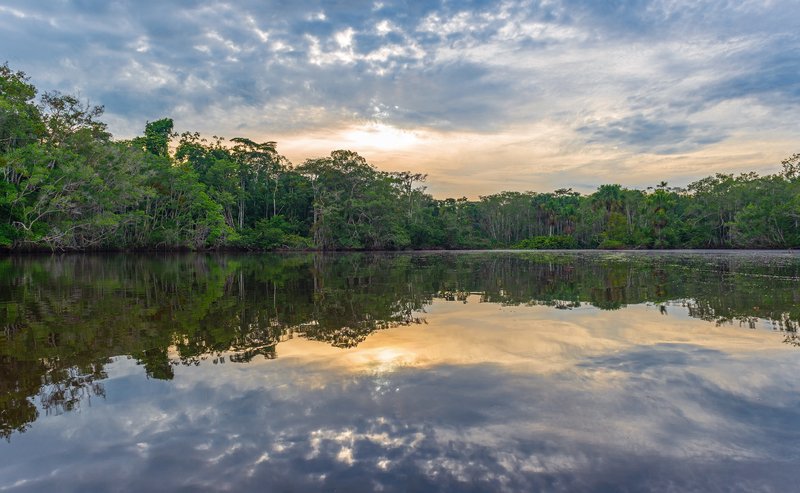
(482, 398)
(539, 338)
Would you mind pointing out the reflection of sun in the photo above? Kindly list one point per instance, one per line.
(383, 360)
(388, 355)
(380, 136)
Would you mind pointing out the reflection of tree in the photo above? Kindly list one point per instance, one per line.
(355, 295)
(18, 382)
(66, 390)
(64, 317)
(789, 327)
(59, 389)
(721, 290)
(792, 338)
(156, 363)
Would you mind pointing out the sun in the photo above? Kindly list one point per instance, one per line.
(380, 136)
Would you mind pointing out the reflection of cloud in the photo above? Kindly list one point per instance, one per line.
(534, 339)
(656, 356)
(449, 427)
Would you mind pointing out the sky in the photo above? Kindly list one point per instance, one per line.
(482, 96)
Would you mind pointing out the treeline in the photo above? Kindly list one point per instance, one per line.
(68, 185)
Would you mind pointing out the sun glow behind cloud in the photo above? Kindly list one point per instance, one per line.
(380, 137)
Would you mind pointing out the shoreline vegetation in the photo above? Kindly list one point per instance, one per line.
(67, 185)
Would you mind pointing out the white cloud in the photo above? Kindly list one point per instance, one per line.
(539, 91)
(384, 27)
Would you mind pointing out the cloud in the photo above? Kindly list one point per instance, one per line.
(622, 82)
(651, 135)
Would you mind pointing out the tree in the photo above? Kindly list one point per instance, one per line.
(258, 164)
(21, 121)
(68, 120)
(157, 136)
(354, 205)
(791, 167)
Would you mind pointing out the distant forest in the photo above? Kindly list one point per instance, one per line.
(67, 185)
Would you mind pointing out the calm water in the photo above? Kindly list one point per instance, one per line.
(502, 371)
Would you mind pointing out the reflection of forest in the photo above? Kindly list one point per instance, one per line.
(63, 317)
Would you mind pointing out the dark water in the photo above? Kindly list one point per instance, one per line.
(500, 371)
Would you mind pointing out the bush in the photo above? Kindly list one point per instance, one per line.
(547, 243)
(611, 245)
(271, 234)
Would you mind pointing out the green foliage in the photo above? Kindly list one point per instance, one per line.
(270, 234)
(66, 185)
(608, 244)
(558, 242)
(355, 206)
(21, 120)
(157, 135)
(70, 122)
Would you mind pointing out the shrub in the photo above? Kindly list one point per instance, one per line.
(611, 245)
(547, 243)
(271, 234)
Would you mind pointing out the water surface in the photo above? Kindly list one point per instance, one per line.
(493, 371)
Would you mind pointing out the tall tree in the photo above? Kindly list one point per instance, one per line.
(157, 136)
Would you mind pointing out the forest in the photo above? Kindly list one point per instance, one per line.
(69, 185)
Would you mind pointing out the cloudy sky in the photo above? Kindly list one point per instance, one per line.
(483, 96)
